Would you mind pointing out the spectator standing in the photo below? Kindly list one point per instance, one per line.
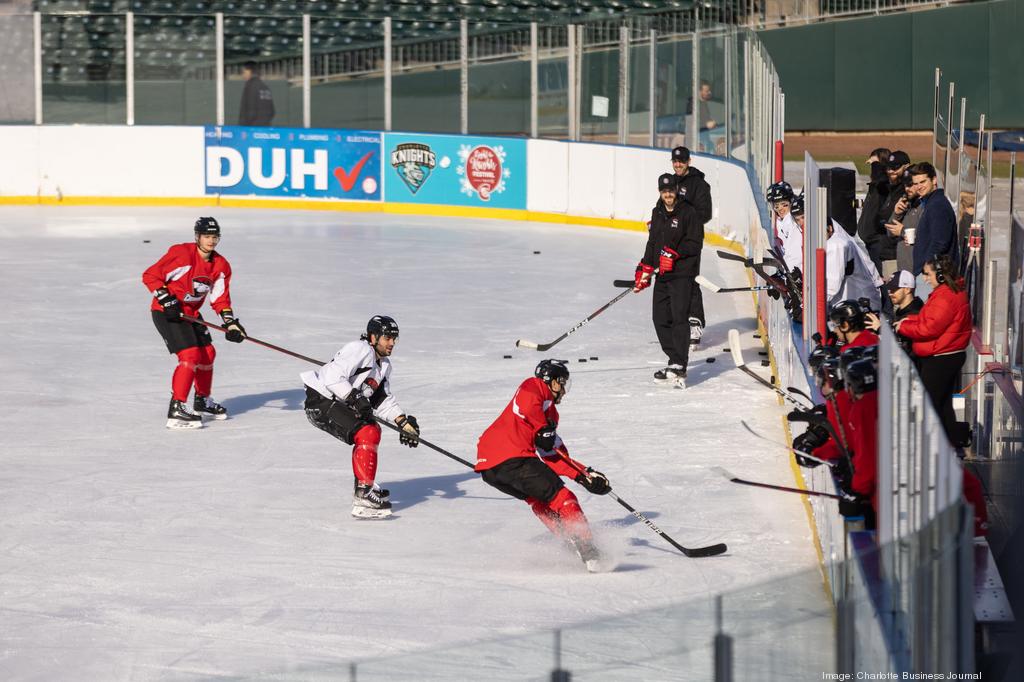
(257, 107)
(696, 191)
(940, 333)
(902, 226)
(704, 121)
(884, 189)
(936, 231)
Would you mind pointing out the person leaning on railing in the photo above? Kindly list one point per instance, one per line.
(940, 334)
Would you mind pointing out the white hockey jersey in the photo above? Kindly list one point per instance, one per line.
(791, 242)
(849, 272)
(356, 366)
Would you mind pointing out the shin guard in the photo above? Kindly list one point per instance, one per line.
(364, 454)
(185, 373)
(204, 370)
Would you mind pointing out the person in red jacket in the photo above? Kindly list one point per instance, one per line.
(180, 282)
(522, 455)
(860, 376)
(940, 333)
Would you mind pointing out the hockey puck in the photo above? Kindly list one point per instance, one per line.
(536, 253)
(762, 352)
(145, 241)
(726, 350)
(582, 360)
(593, 357)
(757, 336)
(766, 363)
(710, 360)
(507, 357)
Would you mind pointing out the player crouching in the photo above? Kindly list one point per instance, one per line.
(521, 455)
(342, 398)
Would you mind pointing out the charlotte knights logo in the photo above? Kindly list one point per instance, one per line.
(413, 162)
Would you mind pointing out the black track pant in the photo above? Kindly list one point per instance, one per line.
(697, 305)
(941, 377)
(671, 314)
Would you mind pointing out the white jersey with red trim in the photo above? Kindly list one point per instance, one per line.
(356, 366)
(791, 242)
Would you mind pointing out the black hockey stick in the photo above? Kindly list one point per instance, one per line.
(711, 286)
(430, 445)
(692, 552)
(737, 357)
(802, 453)
(747, 262)
(769, 486)
(797, 391)
(523, 343)
(196, 320)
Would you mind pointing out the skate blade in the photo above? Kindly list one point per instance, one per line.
(679, 383)
(215, 417)
(178, 425)
(599, 566)
(367, 513)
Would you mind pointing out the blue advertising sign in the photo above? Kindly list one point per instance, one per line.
(294, 162)
(455, 170)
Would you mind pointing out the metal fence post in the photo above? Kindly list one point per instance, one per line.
(935, 114)
(652, 116)
(533, 79)
(728, 40)
(220, 66)
(846, 654)
(463, 76)
(557, 674)
(695, 125)
(129, 67)
(949, 137)
(570, 86)
(722, 645)
(387, 73)
(306, 72)
(37, 64)
(623, 84)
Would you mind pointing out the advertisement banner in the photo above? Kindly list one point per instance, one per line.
(293, 162)
(455, 170)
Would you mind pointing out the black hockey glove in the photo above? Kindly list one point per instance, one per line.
(842, 473)
(170, 304)
(595, 482)
(235, 331)
(544, 439)
(360, 404)
(854, 504)
(814, 437)
(410, 434)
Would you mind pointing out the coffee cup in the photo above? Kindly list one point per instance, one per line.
(909, 234)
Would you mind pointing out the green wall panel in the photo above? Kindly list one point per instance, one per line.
(1006, 56)
(873, 85)
(805, 60)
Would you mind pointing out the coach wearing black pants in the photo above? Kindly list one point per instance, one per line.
(673, 247)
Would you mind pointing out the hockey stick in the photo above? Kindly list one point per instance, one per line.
(196, 320)
(747, 262)
(523, 343)
(802, 453)
(430, 445)
(769, 486)
(692, 552)
(711, 286)
(737, 357)
(797, 391)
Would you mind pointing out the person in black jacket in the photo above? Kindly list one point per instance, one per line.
(257, 107)
(878, 189)
(698, 194)
(894, 204)
(673, 247)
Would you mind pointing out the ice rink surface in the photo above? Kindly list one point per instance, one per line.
(128, 551)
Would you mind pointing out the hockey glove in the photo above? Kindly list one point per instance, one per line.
(667, 260)
(595, 482)
(360, 404)
(642, 277)
(170, 304)
(854, 504)
(235, 331)
(410, 434)
(544, 439)
(814, 437)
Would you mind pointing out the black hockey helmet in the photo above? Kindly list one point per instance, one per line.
(550, 370)
(852, 354)
(796, 206)
(382, 325)
(861, 376)
(779, 191)
(820, 354)
(849, 312)
(207, 225)
(829, 374)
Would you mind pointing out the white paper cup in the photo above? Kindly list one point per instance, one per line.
(909, 234)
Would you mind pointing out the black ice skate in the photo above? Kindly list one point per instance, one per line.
(204, 406)
(179, 417)
(368, 504)
(696, 331)
(383, 493)
(673, 374)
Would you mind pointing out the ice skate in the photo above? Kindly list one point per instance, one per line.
(179, 417)
(588, 554)
(383, 493)
(673, 374)
(696, 331)
(368, 504)
(204, 406)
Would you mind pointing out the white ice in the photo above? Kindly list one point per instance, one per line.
(128, 551)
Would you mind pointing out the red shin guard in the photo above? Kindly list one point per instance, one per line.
(364, 454)
(185, 372)
(204, 370)
(546, 516)
(570, 514)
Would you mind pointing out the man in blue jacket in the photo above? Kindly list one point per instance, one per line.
(936, 231)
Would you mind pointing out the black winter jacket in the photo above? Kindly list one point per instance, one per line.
(681, 230)
(698, 193)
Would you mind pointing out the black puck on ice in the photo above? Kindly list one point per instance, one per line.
(593, 357)
(762, 352)
(145, 241)
(710, 360)
(582, 360)
(766, 363)
(507, 357)
(536, 253)
(757, 336)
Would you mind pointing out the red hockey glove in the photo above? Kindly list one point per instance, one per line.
(667, 260)
(642, 278)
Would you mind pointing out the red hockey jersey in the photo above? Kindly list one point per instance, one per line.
(190, 278)
(511, 435)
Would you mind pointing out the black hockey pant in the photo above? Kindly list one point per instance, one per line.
(671, 314)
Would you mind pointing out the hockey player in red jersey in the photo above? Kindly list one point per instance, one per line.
(522, 455)
(180, 282)
(342, 398)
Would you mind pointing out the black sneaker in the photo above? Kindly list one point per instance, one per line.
(179, 416)
(368, 504)
(205, 406)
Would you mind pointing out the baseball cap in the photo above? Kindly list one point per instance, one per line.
(681, 154)
(897, 159)
(667, 182)
(901, 279)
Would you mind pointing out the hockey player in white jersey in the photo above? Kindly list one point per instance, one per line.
(342, 398)
(790, 237)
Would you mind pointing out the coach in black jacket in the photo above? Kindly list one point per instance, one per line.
(673, 247)
(698, 194)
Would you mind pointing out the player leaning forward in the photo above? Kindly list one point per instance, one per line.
(522, 455)
(673, 247)
(342, 398)
(180, 282)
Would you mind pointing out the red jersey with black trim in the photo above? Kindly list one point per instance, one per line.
(511, 435)
(190, 278)
(863, 430)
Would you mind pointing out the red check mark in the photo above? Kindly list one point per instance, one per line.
(348, 181)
